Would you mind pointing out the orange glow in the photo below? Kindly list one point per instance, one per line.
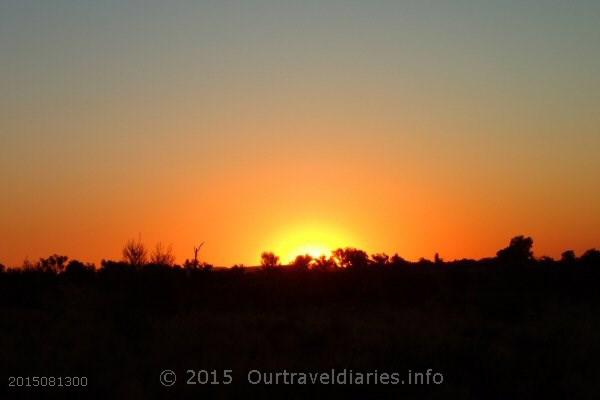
(384, 137)
(312, 239)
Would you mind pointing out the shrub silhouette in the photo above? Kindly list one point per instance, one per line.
(423, 262)
(351, 258)
(546, 261)
(135, 253)
(398, 262)
(380, 260)
(238, 268)
(53, 264)
(518, 252)
(115, 267)
(302, 262)
(269, 260)
(28, 265)
(568, 257)
(162, 256)
(123, 317)
(324, 263)
(78, 270)
(591, 257)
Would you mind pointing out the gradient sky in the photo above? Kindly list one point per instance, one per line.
(408, 126)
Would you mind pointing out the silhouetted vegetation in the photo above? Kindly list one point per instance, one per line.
(324, 263)
(269, 260)
(351, 258)
(503, 327)
(135, 253)
(518, 252)
(162, 256)
(302, 262)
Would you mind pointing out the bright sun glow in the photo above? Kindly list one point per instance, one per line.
(315, 240)
(314, 250)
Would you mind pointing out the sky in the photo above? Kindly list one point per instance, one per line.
(393, 126)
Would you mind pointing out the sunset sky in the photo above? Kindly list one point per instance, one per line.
(394, 126)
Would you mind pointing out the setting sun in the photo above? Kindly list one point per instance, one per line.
(313, 250)
(226, 197)
(314, 239)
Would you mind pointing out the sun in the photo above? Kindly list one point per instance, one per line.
(312, 239)
(313, 250)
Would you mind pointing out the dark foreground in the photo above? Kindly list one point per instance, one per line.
(493, 332)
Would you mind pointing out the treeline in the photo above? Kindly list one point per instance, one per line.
(136, 257)
(502, 327)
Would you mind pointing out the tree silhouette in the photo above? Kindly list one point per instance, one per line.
(354, 317)
(396, 261)
(53, 264)
(135, 253)
(351, 258)
(380, 260)
(162, 256)
(194, 263)
(28, 265)
(568, 257)
(196, 250)
(269, 260)
(546, 261)
(518, 251)
(591, 257)
(324, 263)
(424, 262)
(78, 270)
(302, 262)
